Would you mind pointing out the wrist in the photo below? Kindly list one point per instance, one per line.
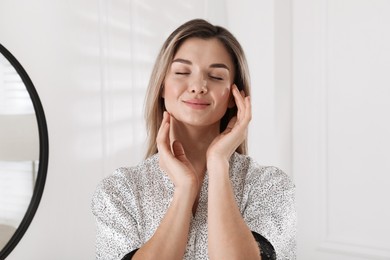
(186, 193)
(217, 158)
(218, 166)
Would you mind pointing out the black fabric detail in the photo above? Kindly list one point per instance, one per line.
(267, 251)
(130, 255)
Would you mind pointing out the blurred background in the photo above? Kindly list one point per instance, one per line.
(320, 92)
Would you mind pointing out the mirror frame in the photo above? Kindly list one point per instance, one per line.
(43, 155)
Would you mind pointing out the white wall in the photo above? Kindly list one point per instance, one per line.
(264, 30)
(58, 45)
(341, 128)
(90, 62)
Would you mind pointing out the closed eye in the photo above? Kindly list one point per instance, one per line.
(182, 73)
(216, 77)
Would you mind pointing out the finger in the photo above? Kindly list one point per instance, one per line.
(162, 139)
(177, 148)
(178, 151)
(172, 123)
(239, 99)
(242, 92)
(230, 125)
(248, 111)
(244, 108)
(234, 96)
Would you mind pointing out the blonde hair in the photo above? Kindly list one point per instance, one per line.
(154, 103)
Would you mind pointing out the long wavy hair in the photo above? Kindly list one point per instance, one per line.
(154, 103)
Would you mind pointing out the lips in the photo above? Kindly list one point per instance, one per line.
(196, 103)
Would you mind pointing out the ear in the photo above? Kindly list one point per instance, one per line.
(231, 103)
(162, 91)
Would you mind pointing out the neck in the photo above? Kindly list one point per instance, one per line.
(195, 141)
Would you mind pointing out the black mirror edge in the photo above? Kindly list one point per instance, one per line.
(43, 155)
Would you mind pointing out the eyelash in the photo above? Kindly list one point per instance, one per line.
(187, 73)
(216, 78)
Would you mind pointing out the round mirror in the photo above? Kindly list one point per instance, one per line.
(23, 151)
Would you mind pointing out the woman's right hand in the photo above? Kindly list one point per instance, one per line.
(174, 161)
(177, 220)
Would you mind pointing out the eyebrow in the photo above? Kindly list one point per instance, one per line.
(214, 65)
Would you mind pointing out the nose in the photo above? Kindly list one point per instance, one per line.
(198, 86)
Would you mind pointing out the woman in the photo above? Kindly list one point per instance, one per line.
(197, 195)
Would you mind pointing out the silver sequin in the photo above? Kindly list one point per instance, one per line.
(130, 204)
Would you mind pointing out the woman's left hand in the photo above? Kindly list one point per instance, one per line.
(224, 145)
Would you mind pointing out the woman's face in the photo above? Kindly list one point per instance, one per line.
(197, 87)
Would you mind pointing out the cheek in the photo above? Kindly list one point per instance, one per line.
(224, 94)
(169, 91)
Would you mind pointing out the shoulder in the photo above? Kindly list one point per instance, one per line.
(257, 174)
(131, 175)
(269, 204)
(124, 182)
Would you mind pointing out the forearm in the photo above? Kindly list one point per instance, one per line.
(229, 237)
(170, 239)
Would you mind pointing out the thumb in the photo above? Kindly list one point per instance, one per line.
(178, 151)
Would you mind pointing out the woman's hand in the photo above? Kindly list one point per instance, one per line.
(229, 237)
(174, 161)
(224, 145)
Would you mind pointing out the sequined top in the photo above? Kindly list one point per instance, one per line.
(130, 204)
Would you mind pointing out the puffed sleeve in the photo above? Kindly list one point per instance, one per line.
(112, 206)
(270, 209)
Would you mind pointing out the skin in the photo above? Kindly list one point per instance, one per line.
(197, 91)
